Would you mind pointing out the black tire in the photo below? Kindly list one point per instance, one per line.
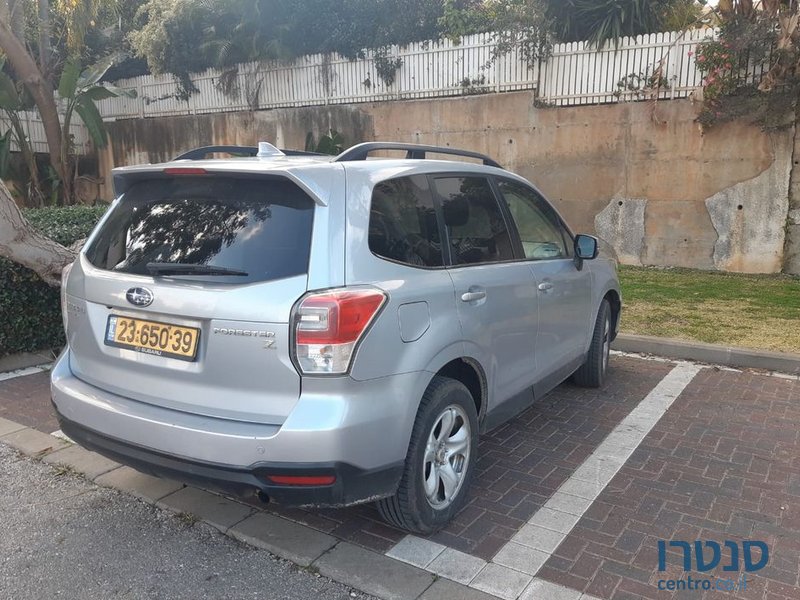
(410, 508)
(592, 373)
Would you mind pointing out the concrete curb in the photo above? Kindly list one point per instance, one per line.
(24, 360)
(346, 563)
(728, 356)
(29, 441)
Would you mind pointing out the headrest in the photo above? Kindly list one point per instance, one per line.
(456, 211)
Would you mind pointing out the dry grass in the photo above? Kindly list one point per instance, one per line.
(752, 311)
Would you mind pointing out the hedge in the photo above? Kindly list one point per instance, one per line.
(30, 309)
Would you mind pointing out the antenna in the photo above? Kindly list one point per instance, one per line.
(267, 150)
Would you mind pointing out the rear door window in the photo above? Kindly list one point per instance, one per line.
(402, 223)
(257, 227)
(474, 221)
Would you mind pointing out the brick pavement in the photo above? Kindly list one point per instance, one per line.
(520, 465)
(722, 464)
(26, 400)
(521, 462)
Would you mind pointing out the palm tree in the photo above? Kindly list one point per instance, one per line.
(598, 21)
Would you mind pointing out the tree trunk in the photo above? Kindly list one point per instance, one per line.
(28, 72)
(44, 37)
(20, 243)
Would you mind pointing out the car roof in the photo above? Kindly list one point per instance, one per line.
(268, 160)
(254, 158)
(272, 164)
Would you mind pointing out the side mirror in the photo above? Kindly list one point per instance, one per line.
(586, 247)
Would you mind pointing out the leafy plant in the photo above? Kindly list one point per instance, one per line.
(386, 67)
(716, 60)
(682, 14)
(81, 89)
(471, 86)
(331, 143)
(598, 21)
(32, 314)
(185, 36)
(513, 24)
(751, 70)
(640, 85)
(14, 98)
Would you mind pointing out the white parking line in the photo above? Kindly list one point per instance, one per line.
(540, 589)
(511, 573)
(23, 372)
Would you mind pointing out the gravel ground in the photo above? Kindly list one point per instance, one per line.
(64, 537)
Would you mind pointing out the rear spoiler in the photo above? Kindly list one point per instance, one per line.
(125, 177)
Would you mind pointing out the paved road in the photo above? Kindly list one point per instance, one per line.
(63, 537)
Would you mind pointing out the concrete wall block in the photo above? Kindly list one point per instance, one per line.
(621, 225)
(680, 187)
(750, 217)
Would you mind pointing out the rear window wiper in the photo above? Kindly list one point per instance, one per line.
(168, 268)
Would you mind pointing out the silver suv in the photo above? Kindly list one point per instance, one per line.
(325, 330)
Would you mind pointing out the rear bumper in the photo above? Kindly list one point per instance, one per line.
(357, 431)
(351, 486)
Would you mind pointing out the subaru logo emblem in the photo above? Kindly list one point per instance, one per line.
(139, 296)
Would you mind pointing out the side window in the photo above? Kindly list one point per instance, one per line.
(475, 225)
(540, 231)
(402, 223)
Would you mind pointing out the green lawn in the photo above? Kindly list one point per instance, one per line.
(752, 311)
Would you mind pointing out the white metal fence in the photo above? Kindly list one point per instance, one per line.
(574, 74)
(426, 70)
(581, 74)
(34, 128)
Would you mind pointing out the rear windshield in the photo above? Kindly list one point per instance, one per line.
(261, 227)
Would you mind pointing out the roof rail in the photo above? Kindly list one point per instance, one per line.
(201, 153)
(414, 151)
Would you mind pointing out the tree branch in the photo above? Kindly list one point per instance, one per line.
(20, 243)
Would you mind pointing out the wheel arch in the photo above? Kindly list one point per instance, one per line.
(469, 372)
(615, 301)
(454, 363)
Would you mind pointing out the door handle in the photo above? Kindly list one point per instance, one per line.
(473, 296)
(545, 286)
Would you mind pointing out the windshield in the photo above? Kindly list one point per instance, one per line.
(258, 226)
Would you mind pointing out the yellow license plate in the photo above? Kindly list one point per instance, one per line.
(152, 337)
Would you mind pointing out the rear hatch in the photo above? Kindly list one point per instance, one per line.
(186, 292)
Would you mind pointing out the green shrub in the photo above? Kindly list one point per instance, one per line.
(30, 309)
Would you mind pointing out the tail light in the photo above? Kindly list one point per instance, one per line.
(63, 292)
(328, 326)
